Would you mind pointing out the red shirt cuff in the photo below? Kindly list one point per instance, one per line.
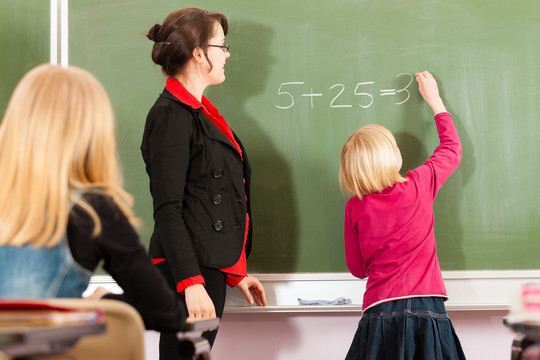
(184, 284)
(233, 280)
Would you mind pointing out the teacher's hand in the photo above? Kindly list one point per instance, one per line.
(199, 304)
(252, 288)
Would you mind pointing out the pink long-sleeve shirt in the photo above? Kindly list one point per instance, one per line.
(389, 236)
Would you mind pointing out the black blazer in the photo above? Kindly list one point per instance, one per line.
(200, 189)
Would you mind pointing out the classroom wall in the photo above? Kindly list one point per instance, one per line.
(299, 335)
(282, 331)
(327, 336)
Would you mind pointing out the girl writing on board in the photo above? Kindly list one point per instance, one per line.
(199, 172)
(389, 239)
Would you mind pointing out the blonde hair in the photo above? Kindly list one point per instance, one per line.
(369, 161)
(57, 139)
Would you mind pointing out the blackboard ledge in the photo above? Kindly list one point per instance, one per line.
(476, 290)
(347, 308)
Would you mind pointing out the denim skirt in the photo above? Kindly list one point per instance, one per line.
(416, 328)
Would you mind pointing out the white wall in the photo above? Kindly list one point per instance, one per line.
(285, 331)
(327, 336)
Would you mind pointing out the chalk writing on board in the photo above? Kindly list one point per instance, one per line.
(365, 91)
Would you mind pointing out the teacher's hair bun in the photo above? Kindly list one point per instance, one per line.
(153, 33)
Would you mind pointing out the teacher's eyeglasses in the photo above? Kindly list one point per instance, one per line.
(225, 47)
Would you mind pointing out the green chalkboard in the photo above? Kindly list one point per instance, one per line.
(24, 42)
(303, 75)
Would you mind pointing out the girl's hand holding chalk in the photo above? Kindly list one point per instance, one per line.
(427, 85)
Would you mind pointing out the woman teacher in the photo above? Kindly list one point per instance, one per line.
(199, 172)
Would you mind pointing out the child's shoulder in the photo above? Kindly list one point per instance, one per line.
(355, 201)
(419, 174)
(389, 195)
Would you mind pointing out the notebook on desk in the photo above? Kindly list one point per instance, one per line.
(29, 327)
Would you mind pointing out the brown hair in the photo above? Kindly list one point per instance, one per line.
(182, 32)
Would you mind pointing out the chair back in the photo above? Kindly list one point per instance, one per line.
(122, 340)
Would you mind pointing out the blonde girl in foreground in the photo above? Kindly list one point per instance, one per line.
(62, 206)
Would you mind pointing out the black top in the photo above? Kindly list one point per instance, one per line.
(200, 189)
(126, 260)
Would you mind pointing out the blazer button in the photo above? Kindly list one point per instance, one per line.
(218, 225)
(217, 199)
(217, 173)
